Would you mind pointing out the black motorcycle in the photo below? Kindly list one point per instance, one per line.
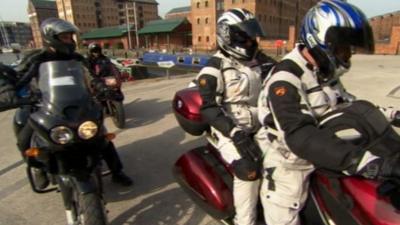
(109, 94)
(67, 136)
(111, 97)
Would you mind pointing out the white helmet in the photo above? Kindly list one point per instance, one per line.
(331, 26)
(237, 30)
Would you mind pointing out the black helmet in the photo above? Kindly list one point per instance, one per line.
(51, 28)
(235, 28)
(94, 48)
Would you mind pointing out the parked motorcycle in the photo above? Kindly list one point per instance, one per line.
(112, 97)
(66, 141)
(334, 199)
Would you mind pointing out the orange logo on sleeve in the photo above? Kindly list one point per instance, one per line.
(280, 91)
(203, 82)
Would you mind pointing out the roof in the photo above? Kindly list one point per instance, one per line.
(180, 10)
(162, 26)
(44, 4)
(386, 14)
(106, 32)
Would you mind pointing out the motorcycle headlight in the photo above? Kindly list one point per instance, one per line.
(61, 135)
(87, 130)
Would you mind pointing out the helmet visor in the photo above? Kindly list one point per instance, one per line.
(251, 27)
(360, 40)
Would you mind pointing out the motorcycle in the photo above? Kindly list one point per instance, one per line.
(112, 99)
(67, 135)
(333, 199)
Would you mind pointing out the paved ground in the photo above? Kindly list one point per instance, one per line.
(148, 147)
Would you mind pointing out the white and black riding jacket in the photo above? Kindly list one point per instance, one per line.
(229, 89)
(290, 105)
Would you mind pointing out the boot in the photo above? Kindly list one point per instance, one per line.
(121, 178)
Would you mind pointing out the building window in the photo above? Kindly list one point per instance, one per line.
(198, 4)
(198, 20)
(207, 39)
(206, 3)
(199, 39)
(233, 1)
(207, 20)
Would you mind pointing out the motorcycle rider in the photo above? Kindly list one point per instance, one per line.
(59, 45)
(229, 86)
(99, 66)
(302, 88)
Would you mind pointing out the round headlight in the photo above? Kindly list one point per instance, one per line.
(87, 130)
(61, 135)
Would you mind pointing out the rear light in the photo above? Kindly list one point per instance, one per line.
(181, 108)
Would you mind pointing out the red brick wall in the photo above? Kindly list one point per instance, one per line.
(393, 46)
(382, 25)
(270, 46)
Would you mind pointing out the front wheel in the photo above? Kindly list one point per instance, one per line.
(118, 114)
(91, 210)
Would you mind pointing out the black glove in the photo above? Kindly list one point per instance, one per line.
(246, 169)
(396, 119)
(246, 146)
(99, 85)
(391, 189)
(249, 167)
(382, 168)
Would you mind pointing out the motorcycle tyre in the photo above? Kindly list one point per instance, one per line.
(118, 114)
(92, 210)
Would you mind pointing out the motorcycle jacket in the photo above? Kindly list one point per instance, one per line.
(229, 89)
(290, 107)
(101, 66)
(29, 66)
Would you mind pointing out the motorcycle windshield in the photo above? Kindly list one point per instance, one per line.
(62, 84)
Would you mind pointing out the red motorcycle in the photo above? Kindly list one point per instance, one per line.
(333, 199)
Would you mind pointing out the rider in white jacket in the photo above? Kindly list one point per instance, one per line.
(229, 87)
(300, 90)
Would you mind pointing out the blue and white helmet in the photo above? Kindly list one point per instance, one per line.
(331, 25)
(237, 30)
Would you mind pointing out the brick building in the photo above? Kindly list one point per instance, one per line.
(275, 16)
(113, 37)
(15, 33)
(382, 25)
(39, 10)
(88, 14)
(170, 34)
(180, 12)
(386, 29)
(145, 10)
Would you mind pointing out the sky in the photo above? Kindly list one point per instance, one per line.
(15, 10)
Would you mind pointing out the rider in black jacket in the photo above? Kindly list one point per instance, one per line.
(99, 66)
(58, 37)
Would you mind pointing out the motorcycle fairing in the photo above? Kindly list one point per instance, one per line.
(204, 177)
(352, 201)
(65, 98)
